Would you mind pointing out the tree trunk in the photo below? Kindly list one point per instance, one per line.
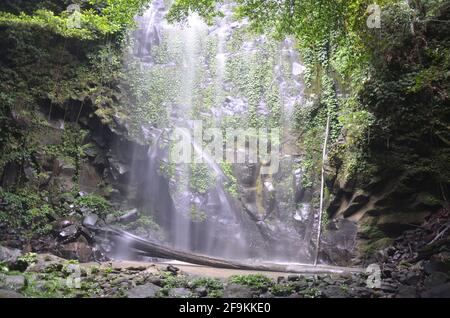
(150, 249)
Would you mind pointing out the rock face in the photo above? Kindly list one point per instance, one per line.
(338, 242)
(405, 176)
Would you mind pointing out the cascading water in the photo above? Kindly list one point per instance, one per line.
(224, 77)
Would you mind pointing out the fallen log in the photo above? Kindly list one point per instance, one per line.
(151, 249)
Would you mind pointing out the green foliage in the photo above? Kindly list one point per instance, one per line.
(197, 215)
(3, 267)
(94, 204)
(256, 281)
(170, 281)
(96, 17)
(231, 185)
(211, 284)
(145, 222)
(181, 9)
(281, 290)
(24, 211)
(28, 258)
(312, 292)
(201, 178)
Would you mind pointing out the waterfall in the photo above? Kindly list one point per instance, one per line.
(226, 78)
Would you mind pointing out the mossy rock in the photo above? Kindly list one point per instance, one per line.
(369, 230)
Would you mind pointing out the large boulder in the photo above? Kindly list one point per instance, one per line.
(9, 256)
(13, 282)
(5, 293)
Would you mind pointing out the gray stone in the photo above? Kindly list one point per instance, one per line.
(46, 262)
(77, 251)
(9, 294)
(201, 291)
(9, 256)
(69, 232)
(13, 282)
(237, 291)
(293, 278)
(179, 293)
(148, 290)
(129, 216)
(412, 278)
(90, 220)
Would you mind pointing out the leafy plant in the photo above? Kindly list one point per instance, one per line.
(257, 281)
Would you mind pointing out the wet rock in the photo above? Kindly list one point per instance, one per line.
(129, 216)
(69, 233)
(148, 290)
(90, 220)
(119, 169)
(4, 293)
(237, 291)
(339, 242)
(174, 270)
(60, 224)
(179, 293)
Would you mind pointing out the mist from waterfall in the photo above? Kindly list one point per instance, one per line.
(197, 72)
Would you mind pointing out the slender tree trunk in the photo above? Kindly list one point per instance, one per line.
(322, 186)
